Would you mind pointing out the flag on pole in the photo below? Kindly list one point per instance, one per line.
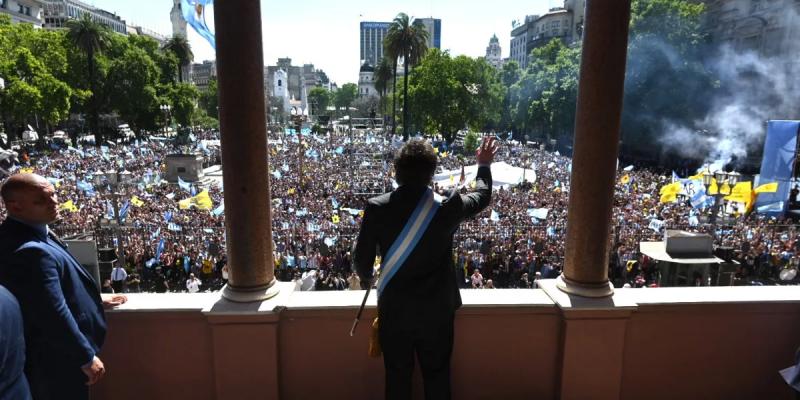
(202, 201)
(194, 13)
(219, 210)
(184, 185)
(123, 212)
(767, 188)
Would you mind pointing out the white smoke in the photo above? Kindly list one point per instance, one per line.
(752, 91)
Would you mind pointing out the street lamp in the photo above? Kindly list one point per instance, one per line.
(299, 115)
(114, 184)
(721, 177)
(165, 108)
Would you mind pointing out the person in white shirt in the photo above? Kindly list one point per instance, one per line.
(193, 284)
(118, 277)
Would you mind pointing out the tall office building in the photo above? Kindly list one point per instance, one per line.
(434, 28)
(372, 34)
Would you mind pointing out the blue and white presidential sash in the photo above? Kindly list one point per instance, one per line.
(408, 238)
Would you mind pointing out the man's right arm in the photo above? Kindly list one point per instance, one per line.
(39, 290)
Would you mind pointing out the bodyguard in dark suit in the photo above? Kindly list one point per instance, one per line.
(13, 385)
(62, 311)
(417, 307)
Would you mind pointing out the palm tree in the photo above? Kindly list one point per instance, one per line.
(383, 72)
(407, 40)
(91, 38)
(179, 46)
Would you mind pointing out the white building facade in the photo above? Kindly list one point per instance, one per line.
(493, 53)
(23, 11)
(56, 13)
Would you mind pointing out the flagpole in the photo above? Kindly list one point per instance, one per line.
(360, 310)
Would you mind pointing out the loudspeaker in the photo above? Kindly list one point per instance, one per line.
(724, 252)
(107, 255)
(105, 269)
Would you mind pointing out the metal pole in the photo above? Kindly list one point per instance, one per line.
(118, 228)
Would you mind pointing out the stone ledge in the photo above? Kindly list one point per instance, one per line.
(623, 299)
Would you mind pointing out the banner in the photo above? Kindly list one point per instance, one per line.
(777, 165)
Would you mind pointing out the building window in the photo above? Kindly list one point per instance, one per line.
(28, 11)
(21, 8)
(280, 83)
(3, 3)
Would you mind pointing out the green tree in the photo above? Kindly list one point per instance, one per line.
(320, 99)
(666, 48)
(183, 97)
(179, 46)
(383, 73)
(449, 94)
(90, 38)
(344, 97)
(406, 40)
(209, 99)
(543, 100)
(471, 142)
(133, 79)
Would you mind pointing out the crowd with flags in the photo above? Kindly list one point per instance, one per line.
(319, 185)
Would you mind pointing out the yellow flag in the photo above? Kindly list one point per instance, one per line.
(26, 170)
(742, 193)
(625, 180)
(335, 219)
(444, 154)
(291, 191)
(713, 188)
(436, 150)
(767, 188)
(136, 201)
(185, 204)
(725, 188)
(452, 178)
(69, 206)
(671, 189)
(669, 197)
(202, 201)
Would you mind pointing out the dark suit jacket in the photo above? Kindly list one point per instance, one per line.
(13, 385)
(62, 310)
(425, 287)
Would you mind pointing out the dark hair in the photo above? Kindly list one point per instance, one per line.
(415, 163)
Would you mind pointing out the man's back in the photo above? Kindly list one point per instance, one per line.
(425, 285)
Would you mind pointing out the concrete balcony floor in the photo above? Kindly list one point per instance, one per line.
(666, 343)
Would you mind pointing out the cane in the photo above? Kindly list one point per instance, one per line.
(360, 310)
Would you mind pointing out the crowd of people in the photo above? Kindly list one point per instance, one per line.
(319, 185)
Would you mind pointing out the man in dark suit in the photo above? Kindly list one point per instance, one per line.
(62, 311)
(417, 307)
(13, 385)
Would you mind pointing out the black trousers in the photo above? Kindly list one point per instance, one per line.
(433, 345)
(54, 380)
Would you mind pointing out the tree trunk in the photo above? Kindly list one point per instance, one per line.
(93, 112)
(394, 99)
(405, 99)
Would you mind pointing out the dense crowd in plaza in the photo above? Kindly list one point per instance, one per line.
(319, 184)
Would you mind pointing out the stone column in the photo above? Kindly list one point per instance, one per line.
(248, 219)
(594, 161)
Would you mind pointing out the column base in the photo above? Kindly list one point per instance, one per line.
(584, 290)
(250, 295)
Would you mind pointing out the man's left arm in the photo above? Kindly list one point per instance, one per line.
(365, 250)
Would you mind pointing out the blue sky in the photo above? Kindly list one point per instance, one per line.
(325, 32)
